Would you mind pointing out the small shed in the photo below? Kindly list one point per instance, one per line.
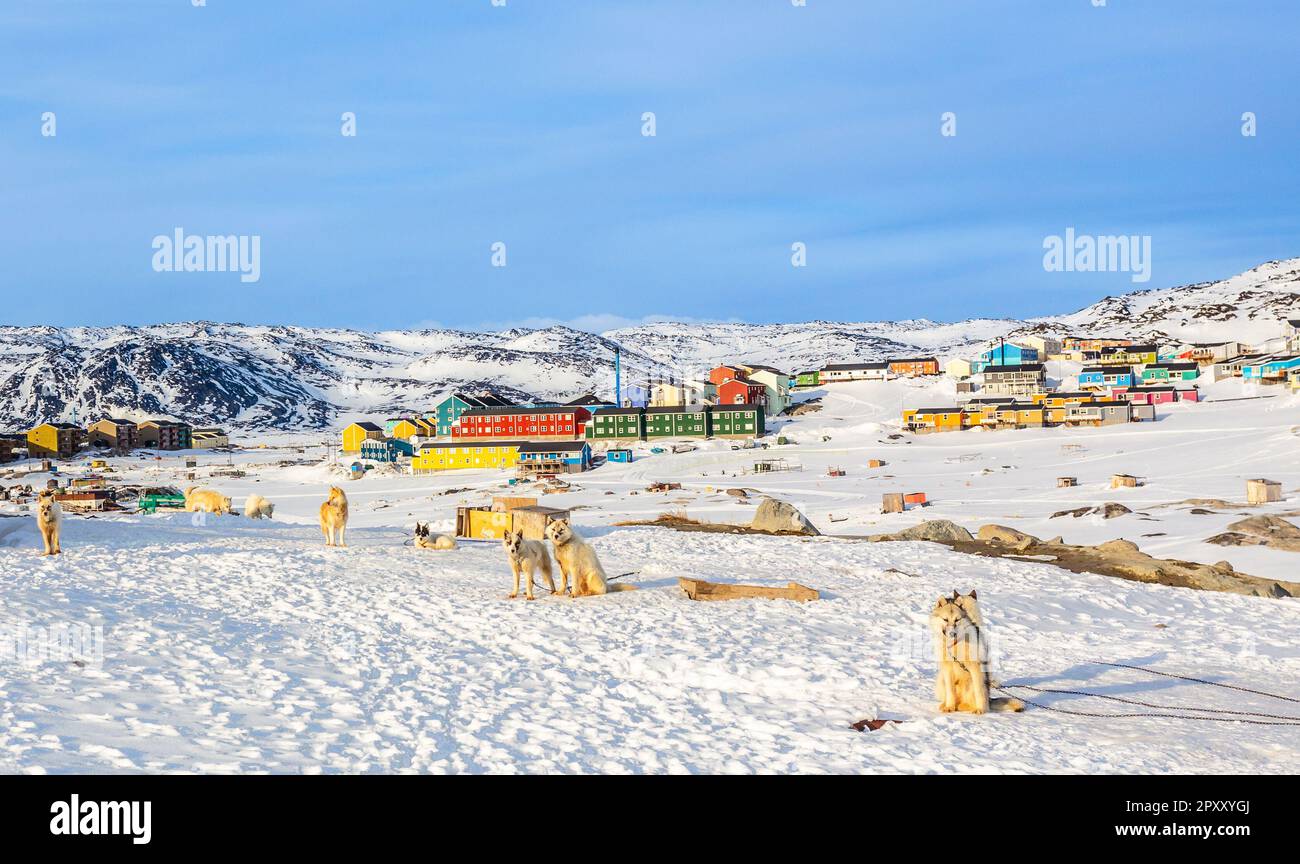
(876, 463)
(484, 523)
(1261, 491)
(1066, 482)
(914, 499)
(621, 455)
(1119, 481)
(892, 502)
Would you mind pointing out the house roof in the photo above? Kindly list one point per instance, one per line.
(367, 425)
(516, 409)
(589, 399)
(937, 410)
(913, 360)
(746, 381)
(747, 406)
(607, 411)
(549, 446)
(677, 409)
(1108, 370)
(845, 367)
(1013, 367)
(442, 445)
(1174, 366)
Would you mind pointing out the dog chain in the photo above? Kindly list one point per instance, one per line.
(1221, 715)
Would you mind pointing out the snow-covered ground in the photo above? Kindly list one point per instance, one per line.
(236, 645)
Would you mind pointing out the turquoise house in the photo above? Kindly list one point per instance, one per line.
(450, 409)
(1004, 354)
(1274, 367)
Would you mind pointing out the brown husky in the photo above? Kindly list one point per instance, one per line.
(334, 518)
(962, 649)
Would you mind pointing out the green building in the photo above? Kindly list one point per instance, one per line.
(1171, 372)
(678, 421)
(807, 379)
(616, 424)
(737, 421)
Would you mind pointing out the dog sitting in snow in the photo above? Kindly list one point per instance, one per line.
(424, 539)
(962, 648)
(206, 501)
(257, 507)
(49, 519)
(578, 562)
(334, 518)
(527, 557)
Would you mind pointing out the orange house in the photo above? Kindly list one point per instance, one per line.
(913, 366)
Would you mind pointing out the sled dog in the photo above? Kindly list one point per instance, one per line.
(257, 507)
(49, 519)
(578, 562)
(334, 518)
(962, 649)
(424, 539)
(527, 557)
(206, 501)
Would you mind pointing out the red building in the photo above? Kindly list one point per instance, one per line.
(741, 391)
(723, 374)
(556, 423)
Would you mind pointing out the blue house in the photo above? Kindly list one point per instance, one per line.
(554, 457)
(620, 455)
(385, 449)
(1273, 367)
(1106, 376)
(450, 409)
(1004, 354)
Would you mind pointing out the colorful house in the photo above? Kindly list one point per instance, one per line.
(120, 435)
(742, 391)
(355, 433)
(914, 366)
(680, 421)
(617, 424)
(810, 378)
(1158, 395)
(959, 368)
(737, 421)
(1275, 368)
(1018, 379)
(436, 456)
(1102, 413)
(1062, 398)
(1106, 376)
(1005, 354)
(1129, 355)
(554, 457)
(209, 439)
(1188, 371)
(833, 372)
(386, 449)
(776, 387)
(560, 423)
(721, 374)
(935, 419)
(54, 441)
(619, 454)
(448, 411)
(165, 435)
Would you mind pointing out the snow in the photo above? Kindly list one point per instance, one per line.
(237, 645)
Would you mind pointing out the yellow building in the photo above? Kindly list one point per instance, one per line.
(355, 433)
(458, 455)
(408, 428)
(54, 440)
(933, 419)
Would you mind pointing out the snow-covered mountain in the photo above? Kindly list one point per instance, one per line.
(303, 378)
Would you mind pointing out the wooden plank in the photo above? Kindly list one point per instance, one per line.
(698, 589)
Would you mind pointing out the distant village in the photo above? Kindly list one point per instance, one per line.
(109, 437)
(1121, 380)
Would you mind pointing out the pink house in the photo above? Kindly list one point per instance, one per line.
(1160, 395)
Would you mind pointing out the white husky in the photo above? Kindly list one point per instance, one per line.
(426, 539)
(257, 507)
(578, 562)
(49, 519)
(527, 557)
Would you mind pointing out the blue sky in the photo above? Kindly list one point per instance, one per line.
(775, 124)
